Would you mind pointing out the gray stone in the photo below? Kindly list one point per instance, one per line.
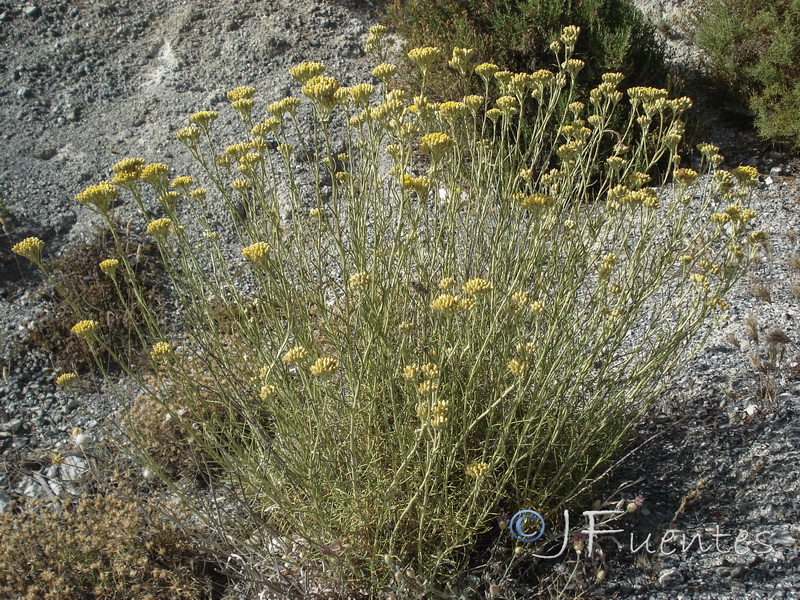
(670, 578)
(32, 12)
(5, 500)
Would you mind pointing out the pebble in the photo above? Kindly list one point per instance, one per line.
(32, 12)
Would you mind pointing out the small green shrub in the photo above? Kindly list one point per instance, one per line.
(516, 34)
(453, 325)
(754, 49)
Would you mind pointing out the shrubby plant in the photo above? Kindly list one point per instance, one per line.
(517, 34)
(453, 324)
(754, 49)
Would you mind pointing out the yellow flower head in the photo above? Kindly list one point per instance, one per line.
(128, 169)
(446, 304)
(98, 196)
(473, 102)
(436, 144)
(188, 135)
(306, 70)
(605, 268)
(324, 366)
(266, 127)
(430, 370)
(424, 57)
(322, 89)
(536, 201)
(447, 283)
(451, 111)
(359, 281)
(486, 70)
(477, 469)
(199, 194)
(295, 355)
(361, 93)
(570, 35)
(160, 228)
(156, 174)
(109, 267)
(244, 106)
(438, 413)
(518, 366)
(477, 286)
(241, 93)
(429, 386)
(240, 185)
(685, 177)
(182, 183)
(411, 372)
(421, 185)
(746, 176)
(30, 248)
(160, 351)
(460, 60)
(257, 253)
(87, 329)
(204, 118)
(169, 200)
(384, 72)
(286, 105)
(573, 66)
(267, 391)
(67, 380)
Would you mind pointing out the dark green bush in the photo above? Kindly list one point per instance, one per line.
(754, 49)
(516, 34)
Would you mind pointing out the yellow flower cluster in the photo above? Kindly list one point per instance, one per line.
(451, 111)
(30, 248)
(518, 366)
(517, 302)
(322, 89)
(241, 93)
(685, 177)
(127, 170)
(536, 201)
(421, 185)
(244, 106)
(182, 183)
(109, 267)
(359, 281)
(98, 196)
(477, 469)
(67, 380)
(287, 105)
(306, 71)
(384, 72)
(477, 286)
(605, 268)
(438, 413)
(746, 176)
(424, 57)
(486, 71)
(257, 253)
(188, 135)
(203, 118)
(569, 35)
(267, 391)
(447, 283)
(169, 200)
(160, 351)
(324, 366)
(700, 281)
(460, 60)
(86, 329)
(295, 355)
(446, 304)
(160, 228)
(436, 144)
(156, 174)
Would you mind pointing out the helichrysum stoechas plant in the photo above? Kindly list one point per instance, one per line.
(474, 330)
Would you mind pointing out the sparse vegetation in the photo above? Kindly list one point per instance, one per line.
(101, 546)
(755, 55)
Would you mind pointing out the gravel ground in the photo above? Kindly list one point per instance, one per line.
(83, 84)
